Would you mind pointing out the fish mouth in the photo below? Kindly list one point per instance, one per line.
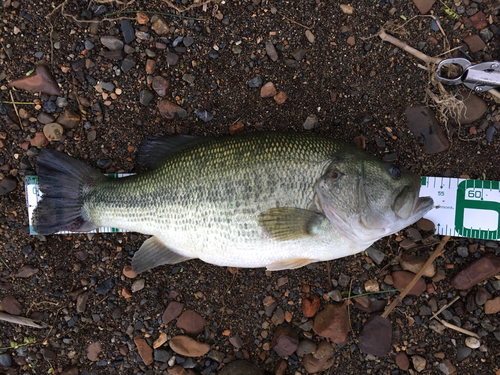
(404, 207)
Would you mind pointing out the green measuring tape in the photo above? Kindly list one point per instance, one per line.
(464, 208)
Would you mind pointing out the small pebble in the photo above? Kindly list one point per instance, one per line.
(255, 82)
(311, 122)
(145, 97)
(472, 342)
(463, 353)
(463, 251)
(138, 285)
(213, 54)
(203, 115)
(5, 360)
(490, 132)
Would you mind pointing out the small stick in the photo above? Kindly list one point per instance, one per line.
(330, 286)
(435, 254)
(15, 108)
(295, 22)
(444, 308)
(348, 303)
(370, 293)
(195, 5)
(454, 327)
(153, 12)
(19, 320)
(398, 43)
(4, 102)
(450, 50)
(6, 53)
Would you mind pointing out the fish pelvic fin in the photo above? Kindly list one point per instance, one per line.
(289, 223)
(62, 181)
(154, 253)
(289, 264)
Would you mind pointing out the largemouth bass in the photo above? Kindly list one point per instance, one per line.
(271, 200)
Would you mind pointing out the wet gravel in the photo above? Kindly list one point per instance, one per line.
(211, 68)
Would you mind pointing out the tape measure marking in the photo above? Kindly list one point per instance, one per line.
(464, 208)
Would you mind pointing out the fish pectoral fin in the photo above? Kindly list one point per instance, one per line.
(289, 264)
(154, 253)
(154, 149)
(289, 223)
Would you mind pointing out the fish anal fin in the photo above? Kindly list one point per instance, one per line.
(289, 264)
(154, 149)
(289, 223)
(154, 253)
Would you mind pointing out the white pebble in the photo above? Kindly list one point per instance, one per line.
(472, 342)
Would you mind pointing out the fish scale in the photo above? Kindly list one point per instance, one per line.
(169, 199)
(279, 200)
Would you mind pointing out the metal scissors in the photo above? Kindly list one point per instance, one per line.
(480, 77)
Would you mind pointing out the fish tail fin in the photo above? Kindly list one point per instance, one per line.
(63, 182)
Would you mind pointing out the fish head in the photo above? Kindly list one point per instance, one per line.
(366, 199)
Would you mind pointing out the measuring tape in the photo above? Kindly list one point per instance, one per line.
(464, 208)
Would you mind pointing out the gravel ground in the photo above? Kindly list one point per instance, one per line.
(338, 78)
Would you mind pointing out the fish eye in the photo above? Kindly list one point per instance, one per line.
(394, 172)
(333, 175)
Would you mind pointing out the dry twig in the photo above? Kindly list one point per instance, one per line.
(458, 329)
(449, 325)
(431, 259)
(295, 22)
(405, 47)
(6, 53)
(15, 108)
(181, 10)
(19, 320)
(444, 308)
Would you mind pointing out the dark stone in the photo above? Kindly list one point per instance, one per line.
(203, 115)
(490, 132)
(291, 63)
(145, 97)
(113, 55)
(161, 355)
(298, 54)
(128, 31)
(107, 285)
(48, 354)
(213, 54)
(7, 185)
(172, 58)
(376, 255)
(376, 336)
(188, 41)
(5, 360)
(463, 353)
(285, 341)
(423, 124)
(49, 106)
(255, 82)
(128, 63)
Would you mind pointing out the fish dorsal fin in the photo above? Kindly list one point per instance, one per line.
(154, 253)
(289, 223)
(289, 264)
(154, 149)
